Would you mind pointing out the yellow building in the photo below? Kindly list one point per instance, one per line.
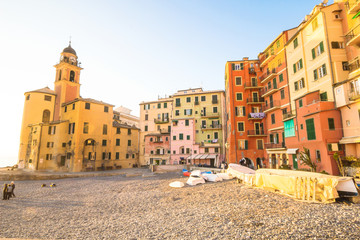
(62, 131)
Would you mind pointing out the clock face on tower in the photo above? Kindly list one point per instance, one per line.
(72, 59)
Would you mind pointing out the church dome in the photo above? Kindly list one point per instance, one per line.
(69, 49)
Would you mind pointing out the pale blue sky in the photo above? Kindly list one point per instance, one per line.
(131, 51)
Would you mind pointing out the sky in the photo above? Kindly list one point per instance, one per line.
(131, 51)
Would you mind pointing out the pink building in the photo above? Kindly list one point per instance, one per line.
(158, 146)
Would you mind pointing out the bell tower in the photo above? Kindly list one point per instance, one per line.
(67, 86)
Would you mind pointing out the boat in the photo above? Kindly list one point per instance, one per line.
(212, 177)
(196, 178)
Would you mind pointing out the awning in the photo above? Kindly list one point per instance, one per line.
(292, 150)
(204, 156)
(347, 140)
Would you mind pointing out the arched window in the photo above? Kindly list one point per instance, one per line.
(46, 116)
(59, 74)
(72, 76)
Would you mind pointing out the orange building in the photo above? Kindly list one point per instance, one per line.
(245, 132)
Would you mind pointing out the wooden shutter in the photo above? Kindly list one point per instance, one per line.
(294, 67)
(233, 66)
(244, 114)
(246, 144)
(310, 129)
(301, 65)
(313, 53)
(315, 74)
(321, 47)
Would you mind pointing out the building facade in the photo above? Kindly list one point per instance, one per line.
(62, 131)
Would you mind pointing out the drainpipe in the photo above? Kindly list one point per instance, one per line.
(38, 156)
(233, 118)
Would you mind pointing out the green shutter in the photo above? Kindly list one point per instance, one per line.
(233, 66)
(321, 47)
(294, 67)
(313, 53)
(246, 144)
(315, 74)
(301, 66)
(277, 138)
(331, 124)
(281, 78)
(324, 69)
(310, 129)
(244, 111)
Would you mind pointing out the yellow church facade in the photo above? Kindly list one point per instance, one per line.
(63, 132)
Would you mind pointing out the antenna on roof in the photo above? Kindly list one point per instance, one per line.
(70, 40)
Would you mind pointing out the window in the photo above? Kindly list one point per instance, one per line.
(104, 129)
(106, 109)
(48, 156)
(281, 78)
(323, 96)
(300, 103)
(237, 66)
(73, 106)
(118, 130)
(87, 105)
(129, 131)
(282, 94)
(295, 42)
(289, 128)
(50, 144)
(239, 97)
(72, 76)
(331, 123)
(47, 98)
(117, 155)
(259, 144)
(243, 144)
(117, 142)
(104, 142)
(317, 155)
(298, 65)
(165, 105)
(277, 43)
(86, 127)
(188, 99)
(71, 128)
(146, 106)
(238, 80)
(187, 111)
(129, 143)
(215, 110)
(310, 129)
(345, 66)
(177, 102)
(203, 98)
(46, 116)
(273, 118)
(241, 127)
(52, 130)
(159, 105)
(63, 145)
(337, 45)
(146, 128)
(187, 137)
(216, 135)
(314, 24)
(299, 84)
(240, 111)
(187, 122)
(28, 97)
(181, 136)
(216, 150)
(319, 49)
(174, 138)
(177, 112)
(146, 117)
(65, 109)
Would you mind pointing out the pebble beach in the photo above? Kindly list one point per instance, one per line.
(145, 207)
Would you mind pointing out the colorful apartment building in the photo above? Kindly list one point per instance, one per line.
(315, 64)
(62, 131)
(155, 119)
(275, 92)
(197, 132)
(245, 126)
(347, 90)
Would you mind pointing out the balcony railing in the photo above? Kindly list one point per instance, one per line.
(251, 70)
(214, 101)
(274, 145)
(354, 95)
(268, 90)
(353, 6)
(257, 100)
(211, 126)
(164, 130)
(259, 115)
(209, 115)
(251, 85)
(259, 132)
(271, 106)
(288, 115)
(353, 36)
(159, 121)
(268, 75)
(355, 65)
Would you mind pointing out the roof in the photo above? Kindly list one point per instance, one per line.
(46, 90)
(69, 49)
(121, 125)
(89, 100)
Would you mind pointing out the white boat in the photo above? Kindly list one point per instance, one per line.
(212, 177)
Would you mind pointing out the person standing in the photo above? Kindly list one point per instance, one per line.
(9, 190)
(12, 184)
(5, 189)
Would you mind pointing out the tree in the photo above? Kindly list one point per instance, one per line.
(305, 158)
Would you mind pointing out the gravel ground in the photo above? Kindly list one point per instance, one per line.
(120, 207)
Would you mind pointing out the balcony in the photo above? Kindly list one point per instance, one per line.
(256, 133)
(161, 121)
(164, 130)
(271, 106)
(214, 101)
(251, 70)
(274, 145)
(354, 95)
(211, 127)
(268, 75)
(252, 85)
(210, 115)
(257, 100)
(288, 116)
(266, 91)
(353, 36)
(256, 116)
(210, 143)
(353, 6)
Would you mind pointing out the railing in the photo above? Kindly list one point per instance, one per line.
(354, 32)
(251, 70)
(354, 95)
(353, 6)
(164, 130)
(158, 121)
(255, 100)
(259, 115)
(210, 114)
(288, 115)
(273, 104)
(274, 145)
(251, 84)
(158, 141)
(212, 126)
(267, 74)
(214, 141)
(266, 89)
(355, 65)
(214, 101)
(256, 132)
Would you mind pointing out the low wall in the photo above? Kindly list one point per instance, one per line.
(167, 168)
